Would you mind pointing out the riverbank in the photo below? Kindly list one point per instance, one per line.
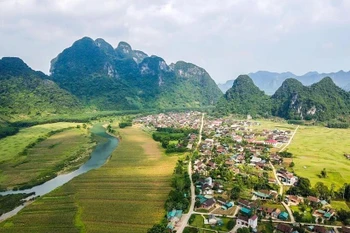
(47, 155)
(126, 193)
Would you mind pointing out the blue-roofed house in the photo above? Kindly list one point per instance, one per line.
(246, 211)
(283, 216)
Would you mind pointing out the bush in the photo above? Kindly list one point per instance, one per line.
(124, 124)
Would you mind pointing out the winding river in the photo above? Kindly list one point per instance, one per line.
(98, 157)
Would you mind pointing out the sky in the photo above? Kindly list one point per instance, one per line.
(225, 37)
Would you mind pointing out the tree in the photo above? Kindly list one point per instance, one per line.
(291, 164)
(231, 224)
(324, 173)
(235, 191)
(322, 190)
(243, 230)
(157, 228)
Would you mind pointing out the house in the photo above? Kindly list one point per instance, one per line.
(284, 228)
(255, 160)
(293, 200)
(221, 200)
(246, 211)
(313, 200)
(267, 210)
(213, 220)
(275, 213)
(283, 216)
(244, 221)
(271, 142)
(320, 229)
(265, 194)
(207, 204)
(286, 177)
(244, 203)
(173, 217)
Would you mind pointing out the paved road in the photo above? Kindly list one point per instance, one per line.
(186, 217)
(279, 182)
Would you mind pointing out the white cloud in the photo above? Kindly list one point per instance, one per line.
(226, 37)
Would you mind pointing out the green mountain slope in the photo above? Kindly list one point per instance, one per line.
(24, 91)
(321, 101)
(123, 78)
(244, 98)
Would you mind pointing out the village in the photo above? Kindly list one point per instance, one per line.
(238, 174)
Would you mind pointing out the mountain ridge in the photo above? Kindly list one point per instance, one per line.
(271, 81)
(28, 92)
(321, 101)
(123, 78)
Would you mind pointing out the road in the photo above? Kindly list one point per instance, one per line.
(279, 182)
(186, 217)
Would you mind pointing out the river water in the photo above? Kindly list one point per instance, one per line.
(98, 157)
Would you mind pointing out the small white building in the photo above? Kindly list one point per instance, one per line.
(243, 221)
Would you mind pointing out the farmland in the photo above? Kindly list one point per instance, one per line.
(13, 145)
(127, 193)
(315, 148)
(62, 150)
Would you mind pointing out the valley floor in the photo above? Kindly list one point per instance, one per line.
(315, 148)
(127, 194)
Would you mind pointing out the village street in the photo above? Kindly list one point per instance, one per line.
(186, 217)
(278, 180)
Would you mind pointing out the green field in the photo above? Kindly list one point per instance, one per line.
(316, 148)
(66, 149)
(338, 205)
(199, 222)
(126, 195)
(12, 145)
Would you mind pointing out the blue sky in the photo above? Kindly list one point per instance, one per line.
(226, 37)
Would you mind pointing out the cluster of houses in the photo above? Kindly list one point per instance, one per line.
(322, 211)
(237, 142)
(248, 207)
(190, 119)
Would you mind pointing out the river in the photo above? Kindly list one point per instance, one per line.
(99, 156)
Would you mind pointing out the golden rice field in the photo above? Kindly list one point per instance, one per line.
(127, 194)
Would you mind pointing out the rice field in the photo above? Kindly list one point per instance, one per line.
(315, 148)
(12, 145)
(46, 158)
(127, 194)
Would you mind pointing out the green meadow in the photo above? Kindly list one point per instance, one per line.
(127, 194)
(13, 145)
(315, 148)
(60, 151)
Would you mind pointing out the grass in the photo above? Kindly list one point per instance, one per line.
(315, 148)
(271, 125)
(62, 150)
(12, 145)
(199, 222)
(127, 194)
(338, 205)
